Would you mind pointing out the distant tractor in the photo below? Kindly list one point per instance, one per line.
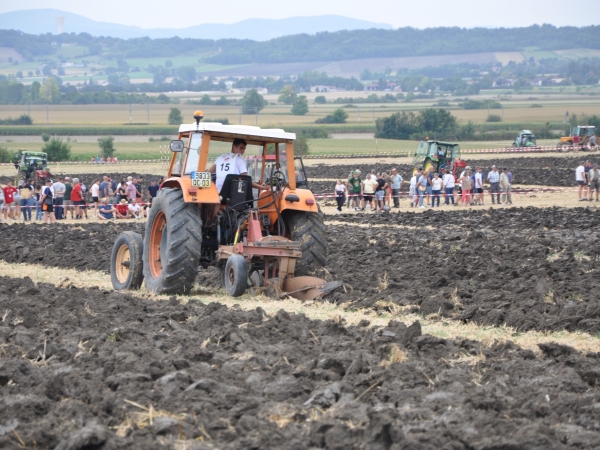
(439, 155)
(32, 166)
(586, 139)
(525, 139)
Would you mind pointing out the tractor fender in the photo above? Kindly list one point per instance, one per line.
(192, 194)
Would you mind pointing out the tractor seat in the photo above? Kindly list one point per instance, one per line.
(237, 192)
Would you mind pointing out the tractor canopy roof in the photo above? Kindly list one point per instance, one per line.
(38, 154)
(227, 133)
(525, 132)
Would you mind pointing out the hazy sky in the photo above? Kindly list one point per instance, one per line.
(399, 13)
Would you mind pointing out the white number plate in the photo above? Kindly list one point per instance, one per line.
(201, 179)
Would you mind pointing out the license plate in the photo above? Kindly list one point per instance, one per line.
(201, 179)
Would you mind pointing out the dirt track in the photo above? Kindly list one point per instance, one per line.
(76, 363)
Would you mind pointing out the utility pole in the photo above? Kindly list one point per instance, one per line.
(359, 114)
(130, 114)
(148, 109)
(373, 114)
(240, 119)
(47, 120)
(256, 116)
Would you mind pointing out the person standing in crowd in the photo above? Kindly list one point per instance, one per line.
(138, 188)
(448, 183)
(494, 179)
(38, 202)
(396, 185)
(48, 203)
(130, 190)
(412, 189)
(340, 195)
(77, 198)
(575, 143)
(95, 191)
(121, 190)
(429, 190)
(104, 187)
(368, 191)
(478, 186)
(59, 194)
(112, 190)
(422, 186)
(9, 201)
(68, 204)
(1, 204)
(356, 184)
(388, 189)
(594, 176)
(436, 190)
(153, 190)
(17, 202)
(580, 179)
(380, 192)
(26, 191)
(505, 186)
(467, 183)
(84, 201)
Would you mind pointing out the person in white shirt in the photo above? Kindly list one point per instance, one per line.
(436, 189)
(580, 179)
(134, 208)
(95, 191)
(478, 186)
(412, 190)
(232, 163)
(448, 183)
(368, 188)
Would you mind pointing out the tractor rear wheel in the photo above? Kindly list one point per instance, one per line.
(126, 261)
(308, 229)
(172, 243)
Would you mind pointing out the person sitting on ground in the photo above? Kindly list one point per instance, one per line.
(122, 210)
(105, 211)
(134, 209)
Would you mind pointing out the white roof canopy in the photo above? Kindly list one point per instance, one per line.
(231, 132)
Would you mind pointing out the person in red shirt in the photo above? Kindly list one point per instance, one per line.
(123, 209)
(77, 197)
(9, 200)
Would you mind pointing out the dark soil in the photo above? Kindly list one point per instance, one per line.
(73, 359)
(545, 171)
(531, 269)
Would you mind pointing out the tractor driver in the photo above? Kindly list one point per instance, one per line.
(232, 163)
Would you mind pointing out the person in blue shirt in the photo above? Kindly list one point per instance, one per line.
(105, 211)
(153, 190)
(396, 182)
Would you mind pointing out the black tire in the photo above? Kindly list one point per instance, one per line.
(309, 229)
(172, 244)
(126, 271)
(235, 275)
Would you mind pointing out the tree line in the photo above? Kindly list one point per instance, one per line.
(341, 45)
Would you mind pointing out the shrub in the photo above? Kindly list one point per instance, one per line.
(252, 102)
(493, 118)
(175, 117)
(5, 155)
(337, 116)
(45, 137)
(106, 145)
(301, 146)
(300, 106)
(57, 150)
(320, 99)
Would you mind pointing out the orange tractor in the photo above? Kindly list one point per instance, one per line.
(257, 238)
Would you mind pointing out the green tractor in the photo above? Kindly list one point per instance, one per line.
(32, 166)
(440, 155)
(525, 139)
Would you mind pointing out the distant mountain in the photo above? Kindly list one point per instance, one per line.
(38, 21)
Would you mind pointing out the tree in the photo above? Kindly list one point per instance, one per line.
(106, 145)
(320, 99)
(57, 150)
(205, 100)
(301, 146)
(168, 63)
(160, 75)
(337, 116)
(300, 106)
(35, 90)
(5, 155)
(186, 73)
(175, 117)
(252, 102)
(49, 90)
(45, 137)
(19, 74)
(287, 95)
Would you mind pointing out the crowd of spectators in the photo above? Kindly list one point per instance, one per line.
(102, 160)
(427, 188)
(64, 198)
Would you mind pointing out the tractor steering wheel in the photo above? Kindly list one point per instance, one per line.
(277, 177)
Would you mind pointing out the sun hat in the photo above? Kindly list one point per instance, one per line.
(123, 201)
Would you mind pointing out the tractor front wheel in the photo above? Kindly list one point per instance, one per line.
(126, 261)
(172, 244)
(308, 229)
